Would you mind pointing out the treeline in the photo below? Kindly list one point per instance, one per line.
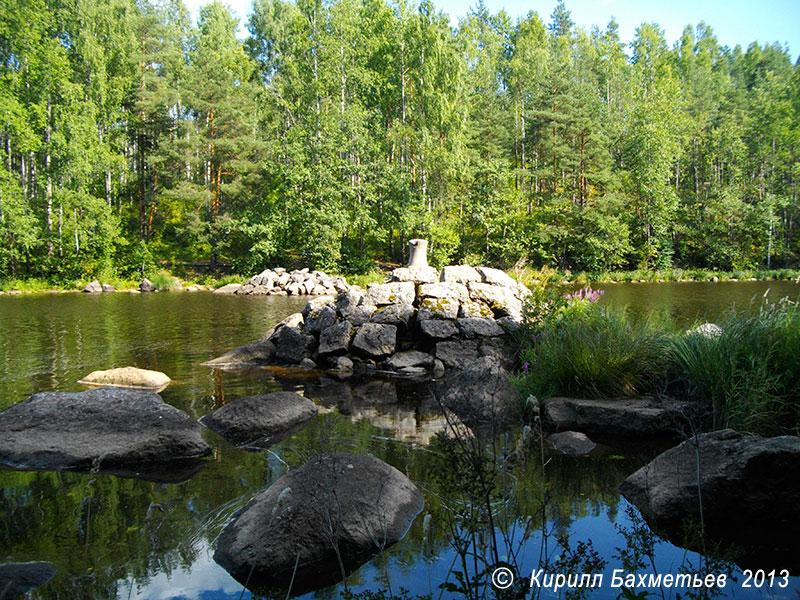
(339, 130)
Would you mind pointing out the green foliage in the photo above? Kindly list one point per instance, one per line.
(589, 351)
(748, 376)
(338, 131)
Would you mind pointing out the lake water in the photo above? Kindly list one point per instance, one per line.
(112, 537)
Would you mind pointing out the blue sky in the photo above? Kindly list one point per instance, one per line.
(733, 21)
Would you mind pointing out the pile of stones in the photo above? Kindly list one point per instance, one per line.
(419, 323)
(280, 282)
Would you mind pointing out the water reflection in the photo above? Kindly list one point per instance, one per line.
(113, 537)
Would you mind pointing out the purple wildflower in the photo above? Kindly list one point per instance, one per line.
(525, 367)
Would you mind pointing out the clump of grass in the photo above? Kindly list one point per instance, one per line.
(26, 285)
(165, 281)
(595, 352)
(748, 376)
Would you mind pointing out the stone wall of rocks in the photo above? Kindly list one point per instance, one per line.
(419, 323)
(280, 282)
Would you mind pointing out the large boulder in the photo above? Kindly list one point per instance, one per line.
(400, 314)
(335, 511)
(496, 277)
(481, 394)
(375, 340)
(129, 377)
(471, 327)
(437, 308)
(17, 579)
(455, 291)
(104, 428)
(438, 329)
(456, 354)
(619, 417)
(261, 421)
(410, 359)
(258, 352)
(747, 488)
(503, 300)
(147, 286)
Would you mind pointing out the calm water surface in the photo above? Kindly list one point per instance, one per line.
(112, 537)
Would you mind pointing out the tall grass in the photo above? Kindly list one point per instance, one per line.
(595, 352)
(748, 376)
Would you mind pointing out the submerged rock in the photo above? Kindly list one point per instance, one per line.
(261, 351)
(481, 394)
(104, 428)
(346, 505)
(261, 420)
(572, 443)
(623, 417)
(129, 377)
(17, 579)
(747, 487)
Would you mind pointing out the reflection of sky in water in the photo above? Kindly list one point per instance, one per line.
(206, 580)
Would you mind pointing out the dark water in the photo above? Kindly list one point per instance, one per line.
(112, 537)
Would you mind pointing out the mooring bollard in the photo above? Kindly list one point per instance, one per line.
(418, 253)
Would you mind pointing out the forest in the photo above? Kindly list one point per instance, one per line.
(338, 130)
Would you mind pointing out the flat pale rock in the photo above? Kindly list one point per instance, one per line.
(231, 288)
(129, 377)
(572, 443)
(108, 428)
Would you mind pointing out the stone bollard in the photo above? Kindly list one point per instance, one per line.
(418, 253)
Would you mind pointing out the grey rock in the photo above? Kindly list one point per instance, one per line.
(354, 503)
(502, 300)
(259, 352)
(438, 368)
(460, 274)
(231, 288)
(336, 339)
(496, 277)
(381, 294)
(147, 286)
(416, 274)
(457, 353)
(572, 443)
(315, 304)
(17, 579)
(501, 348)
(93, 287)
(307, 364)
(437, 308)
(292, 345)
(100, 428)
(455, 291)
(410, 358)
(260, 420)
(321, 319)
(245, 290)
(476, 328)
(481, 395)
(108, 288)
(394, 314)
(438, 329)
(749, 489)
(472, 308)
(343, 365)
(623, 417)
(375, 340)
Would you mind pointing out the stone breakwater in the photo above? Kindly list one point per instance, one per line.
(419, 323)
(280, 282)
